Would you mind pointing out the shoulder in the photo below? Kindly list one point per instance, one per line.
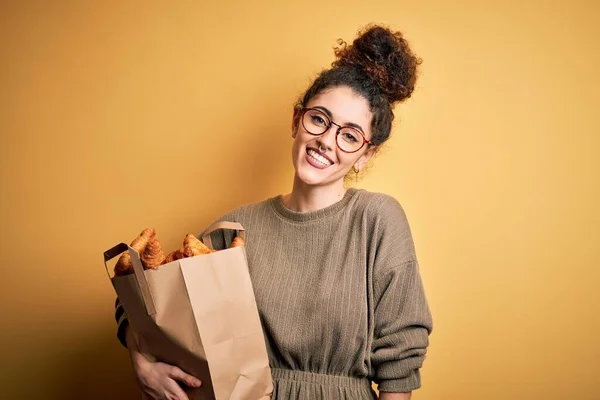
(379, 207)
(387, 225)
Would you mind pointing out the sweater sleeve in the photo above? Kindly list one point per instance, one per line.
(122, 322)
(401, 314)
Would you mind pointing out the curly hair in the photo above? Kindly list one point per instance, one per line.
(380, 66)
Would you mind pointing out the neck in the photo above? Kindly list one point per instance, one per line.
(307, 198)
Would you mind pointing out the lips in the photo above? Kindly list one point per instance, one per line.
(318, 159)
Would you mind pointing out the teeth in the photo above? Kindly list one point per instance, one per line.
(319, 158)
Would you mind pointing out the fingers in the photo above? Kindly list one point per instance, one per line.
(175, 392)
(189, 380)
(161, 381)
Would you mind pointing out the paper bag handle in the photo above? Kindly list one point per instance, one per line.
(240, 231)
(138, 271)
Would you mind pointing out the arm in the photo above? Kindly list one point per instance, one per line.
(402, 320)
(402, 327)
(394, 396)
(156, 379)
(122, 322)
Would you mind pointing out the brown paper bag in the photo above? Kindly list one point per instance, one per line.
(200, 314)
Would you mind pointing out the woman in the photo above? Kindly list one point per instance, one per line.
(334, 269)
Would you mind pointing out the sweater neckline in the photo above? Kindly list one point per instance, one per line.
(286, 213)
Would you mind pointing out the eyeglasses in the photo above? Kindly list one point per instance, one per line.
(347, 138)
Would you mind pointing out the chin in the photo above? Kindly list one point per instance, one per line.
(309, 179)
(314, 177)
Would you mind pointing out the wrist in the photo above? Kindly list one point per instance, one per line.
(132, 345)
(138, 359)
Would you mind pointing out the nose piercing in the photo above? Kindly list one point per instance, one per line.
(322, 149)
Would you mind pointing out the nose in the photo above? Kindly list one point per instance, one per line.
(327, 139)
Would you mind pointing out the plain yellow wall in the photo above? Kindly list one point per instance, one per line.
(118, 116)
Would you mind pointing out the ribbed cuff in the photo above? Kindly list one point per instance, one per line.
(401, 385)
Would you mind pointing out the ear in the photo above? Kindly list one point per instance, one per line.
(296, 121)
(364, 159)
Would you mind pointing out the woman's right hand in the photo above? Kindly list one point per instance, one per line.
(156, 379)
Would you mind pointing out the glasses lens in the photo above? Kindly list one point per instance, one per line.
(315, 122)
(350, 140)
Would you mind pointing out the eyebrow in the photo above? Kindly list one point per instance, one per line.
(350, 124)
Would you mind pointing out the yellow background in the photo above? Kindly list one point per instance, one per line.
(116, 117)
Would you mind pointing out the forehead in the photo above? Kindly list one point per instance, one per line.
(346, 106)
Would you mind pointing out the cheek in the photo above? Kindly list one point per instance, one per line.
(300, 141)
(346, 159)
(295, 149)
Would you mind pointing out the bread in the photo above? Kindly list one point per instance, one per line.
(194, 247)
(237, 242)
(124, 266)
(153, 255)
(174, 255)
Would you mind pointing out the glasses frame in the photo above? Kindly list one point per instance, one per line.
(337, 133)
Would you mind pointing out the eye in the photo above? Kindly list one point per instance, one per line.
(318, 120)
(350, 136)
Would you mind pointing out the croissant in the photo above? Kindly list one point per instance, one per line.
(153, 254)
(191, 251)
(237, 242)
(124, 266)
(174, 255)
(194, 247)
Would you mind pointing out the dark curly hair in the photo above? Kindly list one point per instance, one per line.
(380, 66)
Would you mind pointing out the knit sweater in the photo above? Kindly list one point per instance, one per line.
(339, 295)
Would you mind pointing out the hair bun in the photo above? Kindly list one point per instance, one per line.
(385, 57)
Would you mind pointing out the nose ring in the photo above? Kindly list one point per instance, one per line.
(322, 149)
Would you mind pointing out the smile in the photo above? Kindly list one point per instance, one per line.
(316, 158)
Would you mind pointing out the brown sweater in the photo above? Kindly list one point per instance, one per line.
(339, 295)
